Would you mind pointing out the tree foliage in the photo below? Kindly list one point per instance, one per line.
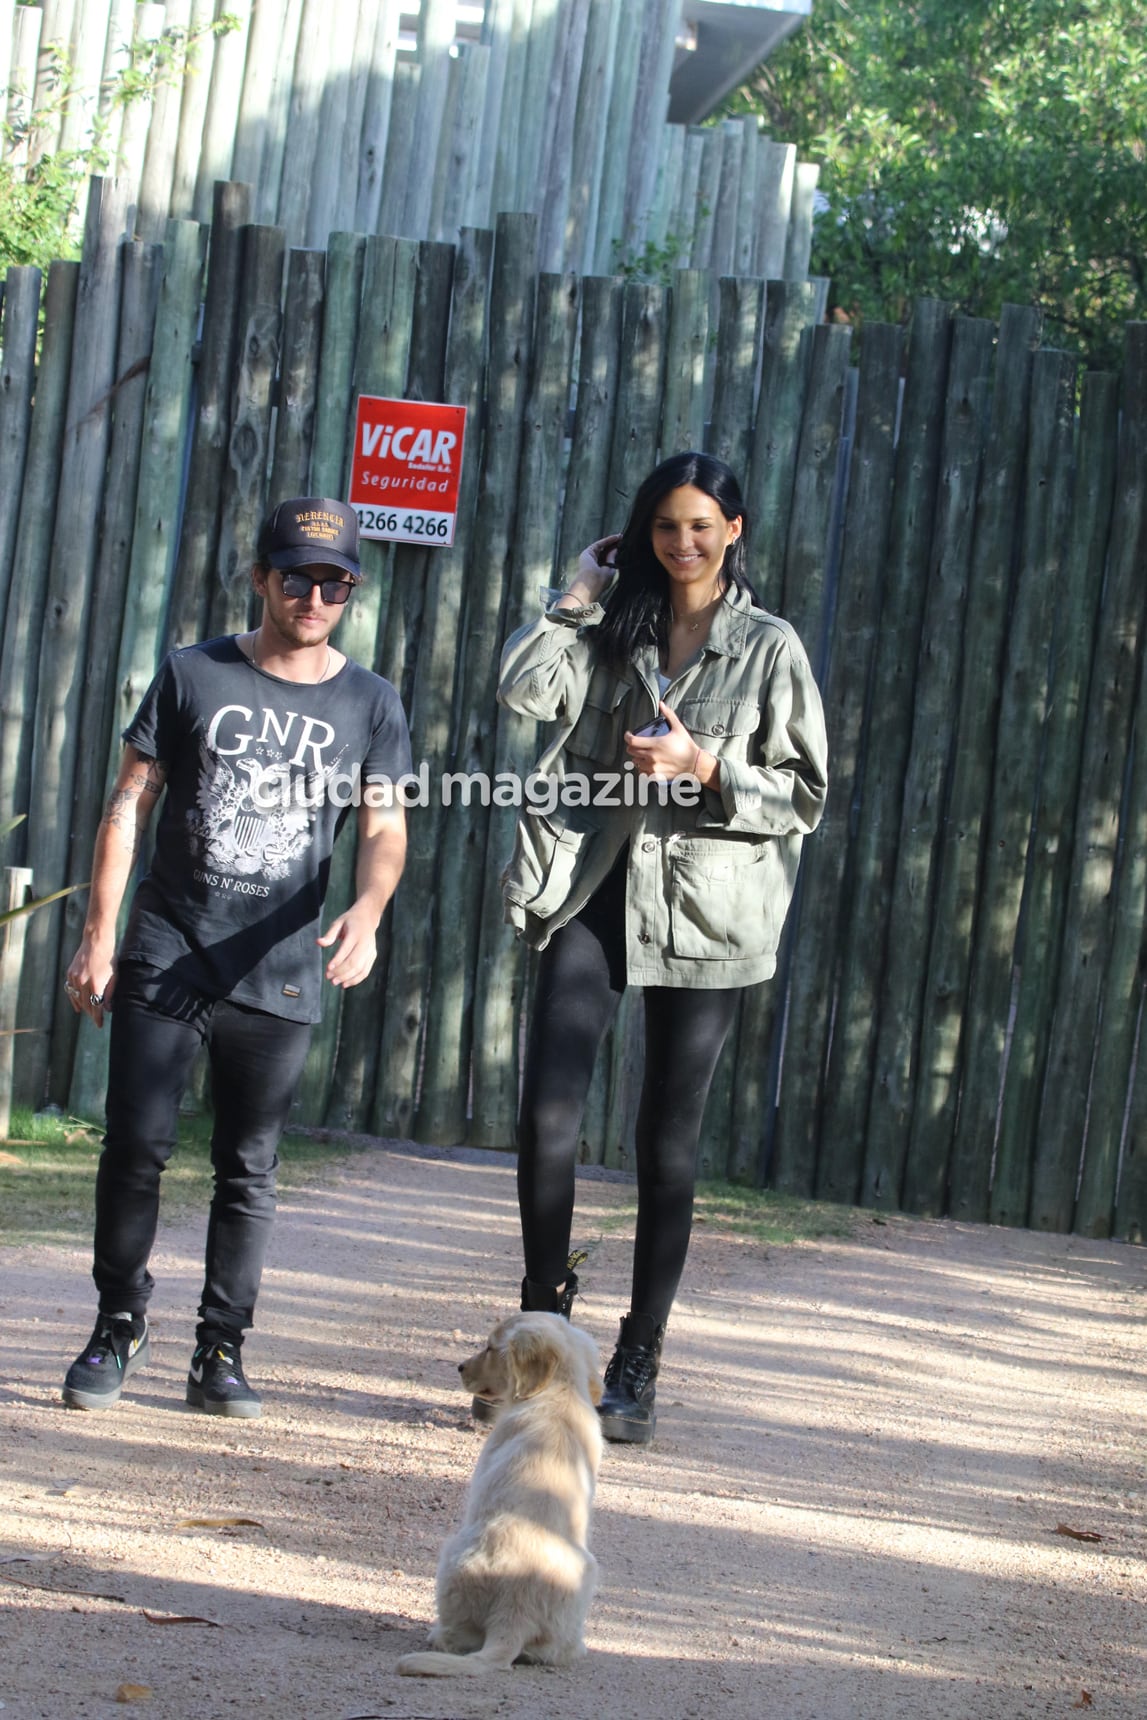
(976, 151)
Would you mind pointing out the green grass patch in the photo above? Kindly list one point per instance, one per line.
(734, 1210)
(48, 1174)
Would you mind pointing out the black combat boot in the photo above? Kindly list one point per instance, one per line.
(537, 1299)
(626, 1408)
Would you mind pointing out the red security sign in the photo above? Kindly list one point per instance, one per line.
(406, 469)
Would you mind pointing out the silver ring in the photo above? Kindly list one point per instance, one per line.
(95, 998)
(71, 990)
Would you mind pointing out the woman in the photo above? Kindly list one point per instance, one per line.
(678, 883)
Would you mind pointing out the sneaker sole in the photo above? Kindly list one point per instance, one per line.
(223, 1406)
(76, 1398)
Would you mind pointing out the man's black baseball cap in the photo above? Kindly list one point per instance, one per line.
(310, 531)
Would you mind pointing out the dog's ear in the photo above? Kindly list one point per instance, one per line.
(533, 1362)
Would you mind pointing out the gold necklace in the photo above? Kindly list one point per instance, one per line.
(703, 615)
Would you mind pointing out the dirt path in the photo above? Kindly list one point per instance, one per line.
(865, 1451)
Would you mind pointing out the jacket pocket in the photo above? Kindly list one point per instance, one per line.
(721, 718)
(726, 898)
(596, 734)
(545, 860)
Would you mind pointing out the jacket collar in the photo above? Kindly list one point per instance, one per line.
(729, 626)
(726, 637)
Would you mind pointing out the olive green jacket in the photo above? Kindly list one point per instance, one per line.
(710, 873)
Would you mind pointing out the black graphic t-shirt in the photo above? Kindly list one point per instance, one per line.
(261, 773)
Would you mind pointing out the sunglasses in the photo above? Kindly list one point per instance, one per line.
(301, 585)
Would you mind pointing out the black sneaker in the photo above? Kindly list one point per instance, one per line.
(626, 1408)
(118, 1347)
(538, 1299)
(215, 1382)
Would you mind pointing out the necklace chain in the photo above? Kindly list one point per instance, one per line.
(326, 665)
(703, 614)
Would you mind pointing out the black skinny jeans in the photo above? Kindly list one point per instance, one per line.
(255, 1061)
(580, 980)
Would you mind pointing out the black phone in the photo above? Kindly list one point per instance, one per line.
(659, 726)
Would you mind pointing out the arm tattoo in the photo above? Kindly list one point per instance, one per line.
(120, 813)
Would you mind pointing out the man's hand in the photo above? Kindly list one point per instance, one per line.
(91, 976)
(381, 853)
(354, 934)
(91, 973)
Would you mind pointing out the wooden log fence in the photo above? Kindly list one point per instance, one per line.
(956, 528)
(339, 118)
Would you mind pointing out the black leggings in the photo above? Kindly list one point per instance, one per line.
(256, 1060)
(580, 980)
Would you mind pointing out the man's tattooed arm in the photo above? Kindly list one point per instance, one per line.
(132, 800)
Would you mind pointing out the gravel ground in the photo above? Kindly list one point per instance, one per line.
(901, 1474)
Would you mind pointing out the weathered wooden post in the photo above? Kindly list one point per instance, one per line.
(298, 374)
(142, 269)
(382, 356)
(823, 906)
(775, 175)
(893, 1088)
(217, 146)
(589, 139)
(435, 39)
(815, 482)
(453, 203)
(243, 494)
(301, 140)
(155, 185)
(131, 151)
(376, 117)
(16, 889)
(260, 120)
(1045, 902)
(1063, 1107)
(1023, 714)
(500, 968)
(738, 368)
(687, 358)
(153, 546)
(20, 658)
(917, 464)
(67, 606)
(419, 907)
(462, 855)
(191, 590)
(587, 512)
(958, 863)
(17, 387)
(1081, 1009)
(192, 111)
(776, 434)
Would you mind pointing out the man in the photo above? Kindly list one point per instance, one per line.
(261, 741)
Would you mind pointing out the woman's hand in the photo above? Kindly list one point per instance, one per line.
(673, 754)
(595, 569)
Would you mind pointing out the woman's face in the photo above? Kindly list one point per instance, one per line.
(690, 535)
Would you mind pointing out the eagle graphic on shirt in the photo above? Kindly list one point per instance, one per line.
(251, 817)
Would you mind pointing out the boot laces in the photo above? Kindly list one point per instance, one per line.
(631, 1366)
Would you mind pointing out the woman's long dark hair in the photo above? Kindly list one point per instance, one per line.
(637, 609)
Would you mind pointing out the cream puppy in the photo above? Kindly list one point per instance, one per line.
(516, 1579)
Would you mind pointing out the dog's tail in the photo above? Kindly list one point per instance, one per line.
(493, 1656)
